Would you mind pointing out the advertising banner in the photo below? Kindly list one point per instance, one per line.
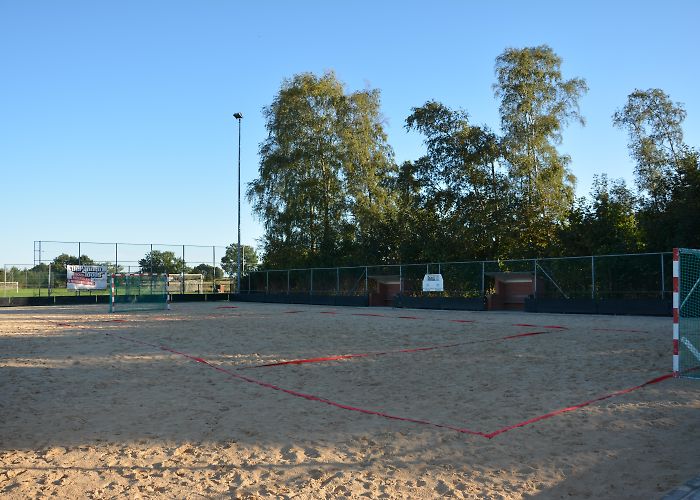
(86, 277)
(432, 283)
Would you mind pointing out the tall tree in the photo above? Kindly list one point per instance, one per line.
(320, 188)
(654, 125)
(461, 183)
(666, 168)
(162, 262)
(59, 263)
(208, 271)
(536, 103)
(249, 259)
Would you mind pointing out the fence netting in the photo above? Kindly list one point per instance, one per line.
(628, 276)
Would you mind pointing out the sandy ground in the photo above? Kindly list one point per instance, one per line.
(93, 408)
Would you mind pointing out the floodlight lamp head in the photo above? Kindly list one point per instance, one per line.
(238, 116)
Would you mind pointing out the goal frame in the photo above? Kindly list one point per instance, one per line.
(161, 290)
(14, 284)
(686, 323)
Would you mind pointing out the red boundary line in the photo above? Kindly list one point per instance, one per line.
(617, 330)
(384, 353)
(551, 414)
(311, 397)
(298, 394)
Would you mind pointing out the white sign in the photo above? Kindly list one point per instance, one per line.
(432, 283)
(86, 277)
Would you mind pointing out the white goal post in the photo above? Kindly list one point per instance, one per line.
(185, 283)
(9, 285)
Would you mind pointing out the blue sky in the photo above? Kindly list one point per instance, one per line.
(117, 116)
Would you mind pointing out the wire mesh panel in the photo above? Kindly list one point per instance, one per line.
(462, 279)
(300, 281)
(689, 313)
(326, 281)
(566, 278)
(628, 276)
(352, 281)
(412, 276)
(257, 282)
(276, 281)
(138, 292)
(24, 280)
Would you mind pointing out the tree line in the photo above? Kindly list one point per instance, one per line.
(329, 192)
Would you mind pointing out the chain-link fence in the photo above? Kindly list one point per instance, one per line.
(192, 268)
(624, 276)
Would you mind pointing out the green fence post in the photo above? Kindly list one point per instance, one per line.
(663, 277)
(534, 286)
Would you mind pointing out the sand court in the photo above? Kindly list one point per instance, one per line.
(354, 402)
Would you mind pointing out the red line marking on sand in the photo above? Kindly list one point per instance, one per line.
(328, 312)
(408, 317)
(338, 357)
(656, 380)
(293, 312)
(298, 394)
(618, 330)
(311, 397)
(537, 326)
(370, 314)
(227, 307)
(462, 321)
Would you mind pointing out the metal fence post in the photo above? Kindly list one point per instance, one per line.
(663, 276)
(267, 282)
(534, 285)
(400, 279)
(287, 281)
(592, 277)
(49, 283)
(311, 283)
(366, 281)
(337, 281)
(483, 282)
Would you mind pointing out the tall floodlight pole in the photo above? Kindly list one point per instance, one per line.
(239, 116)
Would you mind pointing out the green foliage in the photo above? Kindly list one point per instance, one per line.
(536, 104)
(459, 187)
(666, 170)
(330, 194)
(58, 264)
(605, 224)
(162, 262)
(677, 225)
(321, 186)
(208, 272)
(653, 123)
(249, 259)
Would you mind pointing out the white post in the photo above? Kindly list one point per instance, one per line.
(676, 314)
